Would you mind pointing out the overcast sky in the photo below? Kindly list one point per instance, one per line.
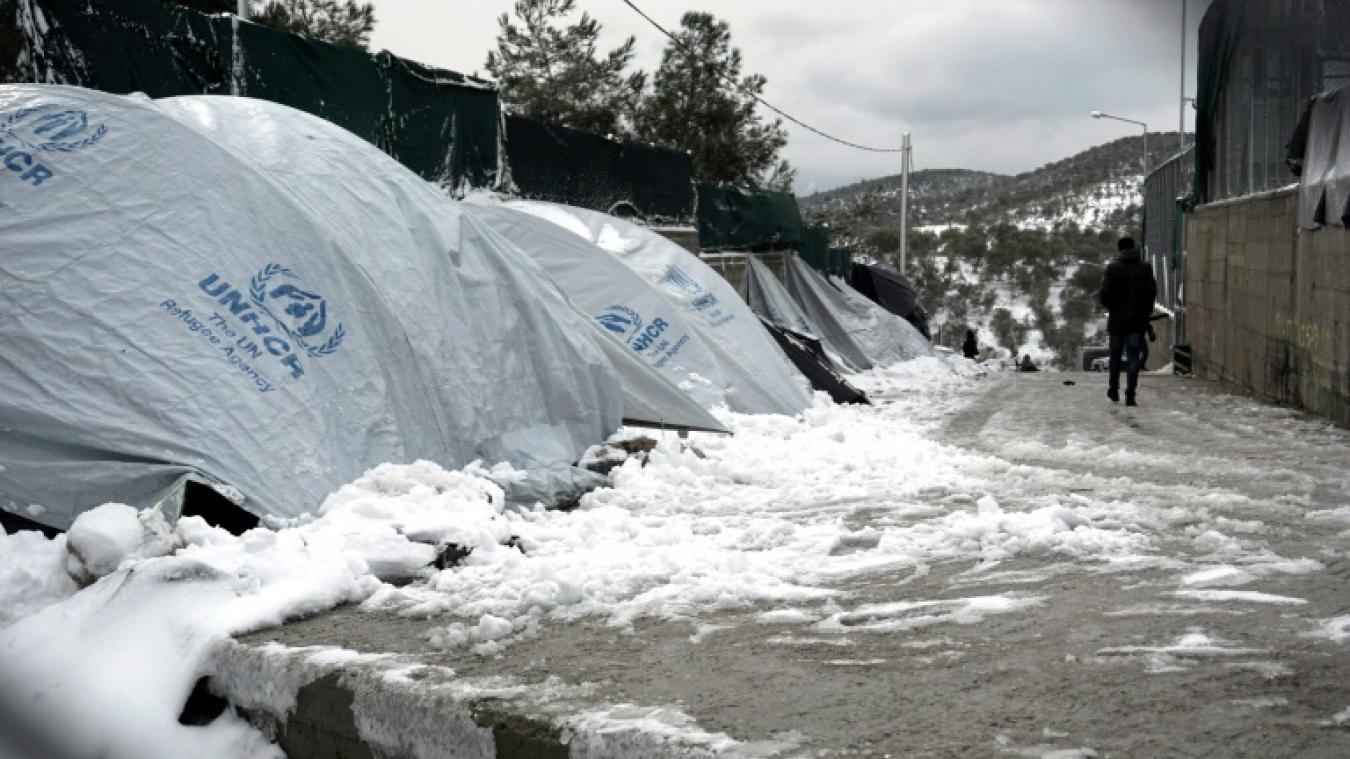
(998, 85)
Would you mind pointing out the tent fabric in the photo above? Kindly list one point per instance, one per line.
(887, 337)
(562, 165)
(892, 291)
(861, 333)
(829, 313)
(649, 399)
(807, 354)
(234, 292)
(760, 378)
(631, 312)
(730, 218)
(772, 302)
(1324, 187)
(440, 124)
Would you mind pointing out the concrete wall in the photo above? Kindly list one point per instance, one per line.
(1268, 305)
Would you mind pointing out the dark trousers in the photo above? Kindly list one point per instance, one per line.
(1129, 345)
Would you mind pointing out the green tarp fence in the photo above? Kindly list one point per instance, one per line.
(730, 218)
(815, 250)
(440, 124)
(565, 165)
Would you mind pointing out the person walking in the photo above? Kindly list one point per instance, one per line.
(970, 348)
(1128, 291)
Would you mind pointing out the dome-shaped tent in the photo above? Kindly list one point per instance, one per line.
(172, 309)
(760, 379)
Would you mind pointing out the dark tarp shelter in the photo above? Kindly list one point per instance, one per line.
(563, 165)
(892, 291)
(440, 124)
(807, 354)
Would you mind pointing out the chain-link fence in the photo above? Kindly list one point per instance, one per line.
(1165, 192)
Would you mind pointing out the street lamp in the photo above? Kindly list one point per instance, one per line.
(1100, 115)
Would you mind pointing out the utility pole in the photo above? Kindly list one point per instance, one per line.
(904, 201)
(1181, 107)
(243, 9)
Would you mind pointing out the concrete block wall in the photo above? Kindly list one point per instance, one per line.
(1268, 304)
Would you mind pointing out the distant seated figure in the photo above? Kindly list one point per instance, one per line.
(970, 347)
(1027, 365)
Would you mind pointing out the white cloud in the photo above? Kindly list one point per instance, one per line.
(997, 85)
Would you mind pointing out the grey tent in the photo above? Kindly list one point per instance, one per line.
(759, 377)
(770, 299)
(861, 333)
(795, 333)
(277, 319)
(627, 311)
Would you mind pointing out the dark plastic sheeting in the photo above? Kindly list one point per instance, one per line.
(810, 359)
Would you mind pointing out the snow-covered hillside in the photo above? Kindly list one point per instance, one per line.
(1030, 245)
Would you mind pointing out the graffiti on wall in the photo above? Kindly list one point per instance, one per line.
(1314, 337)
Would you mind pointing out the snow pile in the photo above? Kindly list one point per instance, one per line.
(32, 574)
(100, 540)
(151, 621)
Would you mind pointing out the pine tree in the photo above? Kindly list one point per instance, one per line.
(342, 22)
(700, 103)
(553, 73)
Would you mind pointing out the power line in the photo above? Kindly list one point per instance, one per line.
(761, 100)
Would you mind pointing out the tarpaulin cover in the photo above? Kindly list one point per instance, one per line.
(887, 335)
(649, 399)
(771, 301)
(730, 218)
(1324, 188)
(859, 332)
(233, 291)
(628, 308)
(760, 378)
(886, 287)
(563, 165)
(807, 354)
(440, 124)
(892, 291)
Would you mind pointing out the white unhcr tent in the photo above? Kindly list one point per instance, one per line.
(171, 308)
(616, 298)
(760, 379)
(236, 122)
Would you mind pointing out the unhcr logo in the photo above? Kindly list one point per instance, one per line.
(702, 299)
(272, 317)
(627, 324)
(27, 133)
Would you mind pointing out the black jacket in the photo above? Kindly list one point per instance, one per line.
(1128, 292)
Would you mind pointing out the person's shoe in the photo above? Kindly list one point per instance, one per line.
(1113, 394)
(1129, 401)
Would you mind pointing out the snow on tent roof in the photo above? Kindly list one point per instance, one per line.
(170, 308)
(630, 310)
(860, 332)
(761, 379)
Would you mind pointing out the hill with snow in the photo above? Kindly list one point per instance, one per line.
(1014, 257)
